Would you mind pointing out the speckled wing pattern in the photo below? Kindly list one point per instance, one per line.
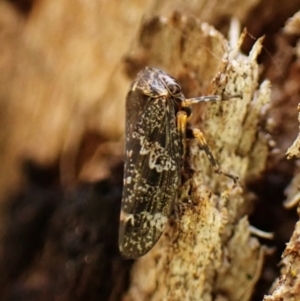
(153, 156)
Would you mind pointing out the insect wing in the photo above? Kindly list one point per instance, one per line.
(151, 173)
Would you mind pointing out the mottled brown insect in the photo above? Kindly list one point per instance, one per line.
(156, 130)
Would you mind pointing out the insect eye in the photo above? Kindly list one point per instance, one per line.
(174, 89)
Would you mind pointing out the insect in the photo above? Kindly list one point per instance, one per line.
(156, 133)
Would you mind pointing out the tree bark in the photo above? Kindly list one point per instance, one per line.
(66, 66)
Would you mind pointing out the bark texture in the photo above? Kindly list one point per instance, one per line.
(208, 248)
(287, 287)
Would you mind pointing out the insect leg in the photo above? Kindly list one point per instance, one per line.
(182, 118)
(196, 133)
(188, 102)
